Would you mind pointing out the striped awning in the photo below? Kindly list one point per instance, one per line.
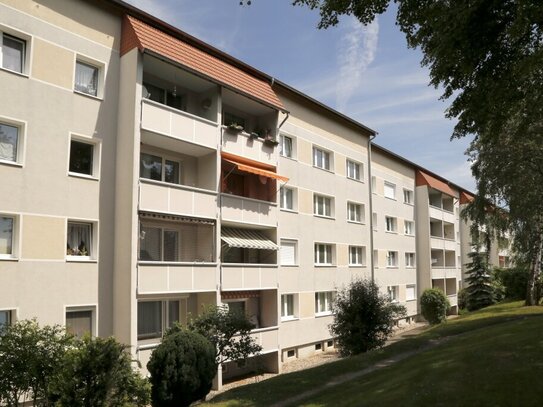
(174, 218)
(247, 239)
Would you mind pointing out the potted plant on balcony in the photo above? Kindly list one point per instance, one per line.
(270, 139)
(235, 127)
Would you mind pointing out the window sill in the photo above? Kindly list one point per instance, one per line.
(410, 235)
(356, 222)
(98, 98)
(391, 231)
(288, 210)
(392, 199)
(80, 259)
(409, 203)
(411, 300)
(177, 263)
(14, 259)
(289, 265)
(83, 176)
(289, 319)
(288, 158)
(11, 163)
(357, 266)
(392, 267)
(355, 180)
(324, 217)
(323, 314)
(21, 74)
(324, 265)
(323, 169)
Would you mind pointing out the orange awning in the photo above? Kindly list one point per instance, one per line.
(247, 166)
(423, 178)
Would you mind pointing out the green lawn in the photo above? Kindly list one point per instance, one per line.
(499, 365)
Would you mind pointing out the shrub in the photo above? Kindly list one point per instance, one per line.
(514, 281)
(434, 305)
(364, 319)
(182, 369)
(98, 372)
(462, 299)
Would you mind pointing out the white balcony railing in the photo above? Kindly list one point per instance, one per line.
(163, 278)
(253, 148)
(246, 210)
(249, 276)
(171, 122)
(268, 338)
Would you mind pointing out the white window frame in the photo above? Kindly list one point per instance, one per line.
(96, 155)
(328, 300)
(327, 202)
(27, 55)
(15, 233)
(12, 315)
(391, 187)
(292, 139)
(391, 224)
(102, 68)
(408, 193)
(283, 201)
(392, 255)
(326, 158)
(163, 157)
(412, 227)
(351, 164)
(414, 297)
(165, 311)
(393, 293)
(294, 243)
(93, 237)
(21, 138)
(87, 307)
(284, 307)
(408, 257)
(358, 209)
(357, 256)
(328, 254)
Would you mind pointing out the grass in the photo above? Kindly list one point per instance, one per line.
(502, 360)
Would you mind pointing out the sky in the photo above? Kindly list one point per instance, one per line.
(365, 72)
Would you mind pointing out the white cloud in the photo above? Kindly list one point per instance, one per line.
(357, 51)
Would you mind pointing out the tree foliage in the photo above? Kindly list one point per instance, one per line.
(182, 369)
(434, 306)
(229, 331)
(479, 292)
(364, 319)
(98, 372)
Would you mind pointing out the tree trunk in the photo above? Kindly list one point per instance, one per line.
(535, 271)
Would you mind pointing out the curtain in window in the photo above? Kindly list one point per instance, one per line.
(173, 312)
(171, 245)
(6, 235)
(149, 319)
(150, 244)
(12, 53)
(79, 323)
(86, 78)
(150, 167)
(79, 239)
(8, 142)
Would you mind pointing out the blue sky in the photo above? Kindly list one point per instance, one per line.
(367, 73)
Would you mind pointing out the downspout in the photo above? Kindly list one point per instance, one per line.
(372, 262)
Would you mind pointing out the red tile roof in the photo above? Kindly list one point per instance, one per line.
(136, 33)
(423, 178)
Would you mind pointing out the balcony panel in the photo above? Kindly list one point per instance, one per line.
(161, 197)
(437, 243)
(238, 277)
(255, 149)
(239, 209)
(268, 338)
(453, 299)
(445, 272)
(435, 213)
(450, 245)
(174, 123)
(153, 278)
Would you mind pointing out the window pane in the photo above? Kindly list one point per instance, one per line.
(153, 92)
(9, 137)
(174, 101)
(171, 245)
(171, 172)
(150, 167)
(237, 307)
(79, 323)
(81, 157)
(149, 319)
(13, 53)
(390, 190)
(86, 78)
(79, 239)
(5, 319)
(150, 244)
(286, 146)
(288, 253)
(6, 235)
(173, 313)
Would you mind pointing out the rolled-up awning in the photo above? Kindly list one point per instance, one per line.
(249, 166)
(174, 218)
(247, 239)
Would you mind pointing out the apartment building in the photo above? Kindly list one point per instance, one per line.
(162, 176)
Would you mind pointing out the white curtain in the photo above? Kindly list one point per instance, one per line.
(79, 239)
(86, 78)
(8, 142)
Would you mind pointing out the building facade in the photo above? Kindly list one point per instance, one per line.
(146, 175)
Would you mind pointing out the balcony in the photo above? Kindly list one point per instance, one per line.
(268, 338)
(246, 210)
(248, 276)
(174, 278)
(243, 144)
(261, 308)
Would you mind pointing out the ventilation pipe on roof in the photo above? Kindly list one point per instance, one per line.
(370, 201)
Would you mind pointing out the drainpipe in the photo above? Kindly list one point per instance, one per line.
(370, 139)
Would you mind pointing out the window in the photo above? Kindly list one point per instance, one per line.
(354, 212)
(79, 322)
(13, 52)
(408, 227)
(321, 158)
(81, 157)
(391, 224)
(79, 240)
(392, 259)
(323, 302)
(408, 197)
(287, 198)
(7, 232)
(6, 319)
(410, 260)
(237, 307)
(286, 146)
(287, 306)
(160, 95)
(154, 317)
(288, 253)
(323, 254)
(357, 256)
(374, 220)
(86, 78)
(410, 292)
(9, 142)
(354, 170)
(159, 168)
(390, 190)
(159, 244)
(393, 293)
(322, 205)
